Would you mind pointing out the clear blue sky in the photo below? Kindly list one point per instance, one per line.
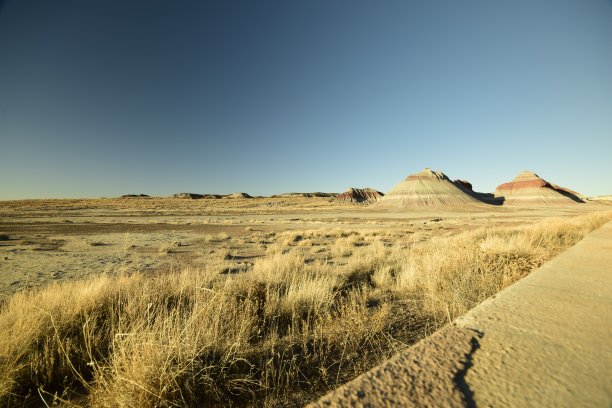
(112, 97)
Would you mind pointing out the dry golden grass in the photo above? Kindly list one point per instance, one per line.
(282, 333)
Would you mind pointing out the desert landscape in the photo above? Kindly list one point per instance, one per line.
(256, 301)
(321, 204)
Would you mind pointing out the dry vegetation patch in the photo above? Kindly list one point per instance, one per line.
(285, 331)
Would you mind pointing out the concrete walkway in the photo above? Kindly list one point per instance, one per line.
(544, 341)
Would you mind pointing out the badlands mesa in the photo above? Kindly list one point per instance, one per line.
(427, 188)
(529, 188)
(206, 299)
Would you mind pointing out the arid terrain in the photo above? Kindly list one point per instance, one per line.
(244, 301)
(54, 240)
(229, 204)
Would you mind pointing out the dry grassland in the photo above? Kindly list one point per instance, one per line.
(304, 312)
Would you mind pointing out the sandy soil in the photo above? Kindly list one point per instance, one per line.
(45, 241)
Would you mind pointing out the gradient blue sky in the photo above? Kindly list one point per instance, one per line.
(112, 97)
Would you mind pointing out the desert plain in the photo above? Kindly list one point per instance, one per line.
(265, 301)
(63, 239)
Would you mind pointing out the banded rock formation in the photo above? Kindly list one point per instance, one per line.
(360, 195)
(529, 188)
(427, 188)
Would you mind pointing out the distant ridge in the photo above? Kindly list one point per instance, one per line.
(238, 195)
(315, 194)
(187, 195)
(607, 199)
(196, 196)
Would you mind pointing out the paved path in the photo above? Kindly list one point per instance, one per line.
(544, 341)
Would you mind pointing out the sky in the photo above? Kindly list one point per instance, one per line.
(104, 98)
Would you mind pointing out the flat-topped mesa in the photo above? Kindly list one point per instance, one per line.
(529, 188)
(360, 195)
(306, 195)
(427, 188)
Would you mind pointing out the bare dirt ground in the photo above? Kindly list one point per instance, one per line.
(44, 241)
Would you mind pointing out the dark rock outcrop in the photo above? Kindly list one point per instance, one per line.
(238, 195)
(465, 184)
(360, 195)
(188, 195)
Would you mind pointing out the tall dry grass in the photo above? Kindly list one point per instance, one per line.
(282, 333)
